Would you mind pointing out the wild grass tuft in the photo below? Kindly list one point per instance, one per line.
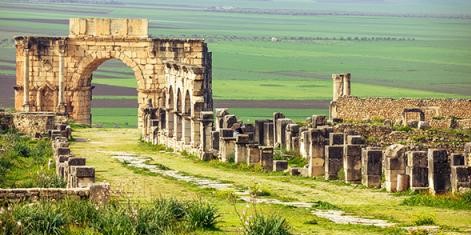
(201, 215)
(450, 201)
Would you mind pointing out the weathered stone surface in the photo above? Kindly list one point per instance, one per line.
(352, 163)
(268, 134)
(281, 125)
(457, 159)
(336, 138)
(394, 164)
(227, 149)
(266, 158)
(402, 182)
(280, 165)
(371, 168)
(359, 109)
(438, 171)
(241, 148)
(355, 139)
(253, 154)
(460, 178)
(417, 169)
(333, 161)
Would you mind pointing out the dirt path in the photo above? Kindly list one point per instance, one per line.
(356, 201)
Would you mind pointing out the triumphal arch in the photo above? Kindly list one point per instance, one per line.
(173, 76)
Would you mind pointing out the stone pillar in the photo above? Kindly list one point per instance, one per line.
(394, 164)
(68, 176)
(333, 161)
(60, 96)
(205, 135)
(259, 137)
(417, 169)
(337, 86)
(460, 178)
(346, 85)
(276, 116)
(266, 158)
(438, 171)
(220, 113)
(316, 153)
(81, 176)
(402, 183)
(292, 131)
(215, 141)
(371, 159)
(280, 128)
(352, 163)
(241, 149)
(268, 133)
(304, 143)
(253, 154)
(26, 107)
(226, 144)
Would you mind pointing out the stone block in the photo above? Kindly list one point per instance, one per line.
(229, 121)
(100, 194)
(268, 134)
(281, 125)
(259, 135)
(83, 171)
(215, 140)
(457, 159)
(333, 161)
(62, 151)
(227, 149)
(316, 153)
(371, 168)
(336, 138)
(355, 139)
(253, 154)
(280, 165)
(460, 178)
(318, 120)
(266, 158)
(438, 171)
(402, 183)
(294, 171)
(226, 132)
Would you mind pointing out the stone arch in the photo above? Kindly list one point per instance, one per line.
(187, 127)
(170, 114)
(187, 104)
(91, 62)
(179, 117)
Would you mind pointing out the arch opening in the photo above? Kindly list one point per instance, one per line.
(113, 95)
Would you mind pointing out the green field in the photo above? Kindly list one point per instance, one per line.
(127, 117)
(285, 50)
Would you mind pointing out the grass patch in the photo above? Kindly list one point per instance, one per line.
(24, 163)
(424, 220)
(456, 202)
(162, 216)
(322, 205)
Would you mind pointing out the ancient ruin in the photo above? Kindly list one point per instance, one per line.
(176, 110)
(54, 74)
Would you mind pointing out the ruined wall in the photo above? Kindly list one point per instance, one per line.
(36, 194)
(54, 74)
(34, 124)
(358, 109)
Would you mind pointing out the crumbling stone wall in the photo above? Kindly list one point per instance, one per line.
(435, 110)
(36, 124)
(54, 74)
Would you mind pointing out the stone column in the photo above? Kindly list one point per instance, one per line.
(371, 164)
(333, 161)
(61, 104)
(346, 84)
(205, 131)
(241, 148)
(438, 171)
(337, 86)
(276, 116)
(417, 169)
(26, 81)
(268, 133)
(316, 153)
